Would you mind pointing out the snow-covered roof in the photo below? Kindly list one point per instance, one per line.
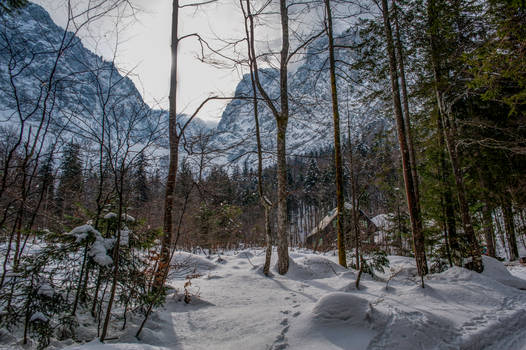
(332, 215)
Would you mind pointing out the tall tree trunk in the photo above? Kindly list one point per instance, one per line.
(449, 209)
(265, 202)
(487, 219)
(282, 121)
(414, 214)
(489, 234)
(405, 107)
(168, 217)
(469, 232)
(281, 116)
(340, 204)
(450, 135)
(501, 235)
(283, 253)
(354, 198)
(509, 224)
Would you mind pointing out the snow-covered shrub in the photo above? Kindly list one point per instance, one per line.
(370, 261)
(67, 276)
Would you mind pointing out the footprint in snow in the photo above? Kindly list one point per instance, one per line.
(296, 314)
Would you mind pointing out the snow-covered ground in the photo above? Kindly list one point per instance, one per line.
(315, 306)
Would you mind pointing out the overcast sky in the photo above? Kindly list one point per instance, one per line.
(145, 47)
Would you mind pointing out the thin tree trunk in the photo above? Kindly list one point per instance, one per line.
(414, 214)
(116, 253)
(282, 121)
(469, 232)
(266, 204)
(81, 275)
(489, 234)
(354, 198)
(405, 107)
(454, 253)
(340, 204)
(509, 224)
(168, 230)
(283, 253)
(501, 236)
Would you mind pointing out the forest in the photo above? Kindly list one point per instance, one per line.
(368, 171)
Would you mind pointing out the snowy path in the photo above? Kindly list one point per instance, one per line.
(315, 306)
(243, 310)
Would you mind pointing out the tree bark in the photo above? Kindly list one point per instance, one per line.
(509, 224)
(489, 234)
(354, 197)
(281, 117)
(449, 209)
(168, 217)
(283, 253)
(414, 214)
(340, 204)
(405, 108)
(265, 203)
(282, 121)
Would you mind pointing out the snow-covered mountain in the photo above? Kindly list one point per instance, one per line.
(311, 123)
(46, 74)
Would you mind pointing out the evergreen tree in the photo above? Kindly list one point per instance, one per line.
(71, 179)
(142, 189)
(10, 5)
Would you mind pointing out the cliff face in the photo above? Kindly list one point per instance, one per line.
(310, 126)
(85, 87)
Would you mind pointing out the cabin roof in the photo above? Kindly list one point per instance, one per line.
(327, 220)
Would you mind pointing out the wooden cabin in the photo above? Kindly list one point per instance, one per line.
(323, 236)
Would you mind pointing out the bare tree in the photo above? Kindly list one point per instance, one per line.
(265, 202)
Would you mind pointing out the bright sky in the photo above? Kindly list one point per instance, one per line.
(145, 48)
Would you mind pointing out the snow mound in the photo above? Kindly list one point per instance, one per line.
(295, 255)
(495, 275)
(403, 268)
(496, 270)
(188, 263)
(313, 267)
(342, 307)
(244, 255)
(97, 345)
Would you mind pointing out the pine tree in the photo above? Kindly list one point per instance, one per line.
(10, 5)
(71, 179)
(142, 189)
